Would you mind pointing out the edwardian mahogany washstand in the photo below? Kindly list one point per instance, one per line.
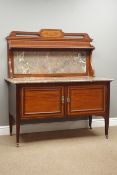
(50, 78)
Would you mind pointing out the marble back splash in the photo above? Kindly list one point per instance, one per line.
(51, 62)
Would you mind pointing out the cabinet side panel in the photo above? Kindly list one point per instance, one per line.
(12, 99)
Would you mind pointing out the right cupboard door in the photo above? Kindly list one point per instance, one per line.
(86, 99)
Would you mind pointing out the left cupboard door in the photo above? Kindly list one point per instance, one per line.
(42, 102)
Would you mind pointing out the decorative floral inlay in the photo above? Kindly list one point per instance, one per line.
(39, 62)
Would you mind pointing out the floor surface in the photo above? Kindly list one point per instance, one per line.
(72, 152)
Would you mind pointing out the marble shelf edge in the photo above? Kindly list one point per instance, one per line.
(55, 79)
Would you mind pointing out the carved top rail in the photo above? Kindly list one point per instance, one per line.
(49, 38)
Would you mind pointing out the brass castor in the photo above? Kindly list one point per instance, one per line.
(106, 136)
(17, 144)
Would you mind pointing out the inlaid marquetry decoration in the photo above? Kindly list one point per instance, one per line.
(51, 33)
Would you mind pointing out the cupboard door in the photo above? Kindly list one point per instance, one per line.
(88, 99)
(42, 102)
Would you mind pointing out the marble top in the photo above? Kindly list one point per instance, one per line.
(55, 79)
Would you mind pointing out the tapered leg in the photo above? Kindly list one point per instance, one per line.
(90, 122)
(106, 126)
(17, 132)
(10, 123)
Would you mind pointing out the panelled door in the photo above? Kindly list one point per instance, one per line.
(88, 99)
(42, 101)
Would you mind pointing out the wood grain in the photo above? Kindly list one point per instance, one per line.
(42, 102)
(86, 99)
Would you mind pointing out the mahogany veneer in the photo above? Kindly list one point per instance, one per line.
(60, 99)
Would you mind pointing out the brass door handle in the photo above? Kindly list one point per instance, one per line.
(68, 100)
(63, 99)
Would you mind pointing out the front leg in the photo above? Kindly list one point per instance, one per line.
(11, 122)
(90, 122)
(106, 126)
(17, 131)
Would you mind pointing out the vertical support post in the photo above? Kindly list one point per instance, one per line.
(10, 123)
(106, 117)
(17, 114)
(17, 130)
(106, 126)
(89, 65)
(90, 122)
(10, 62)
